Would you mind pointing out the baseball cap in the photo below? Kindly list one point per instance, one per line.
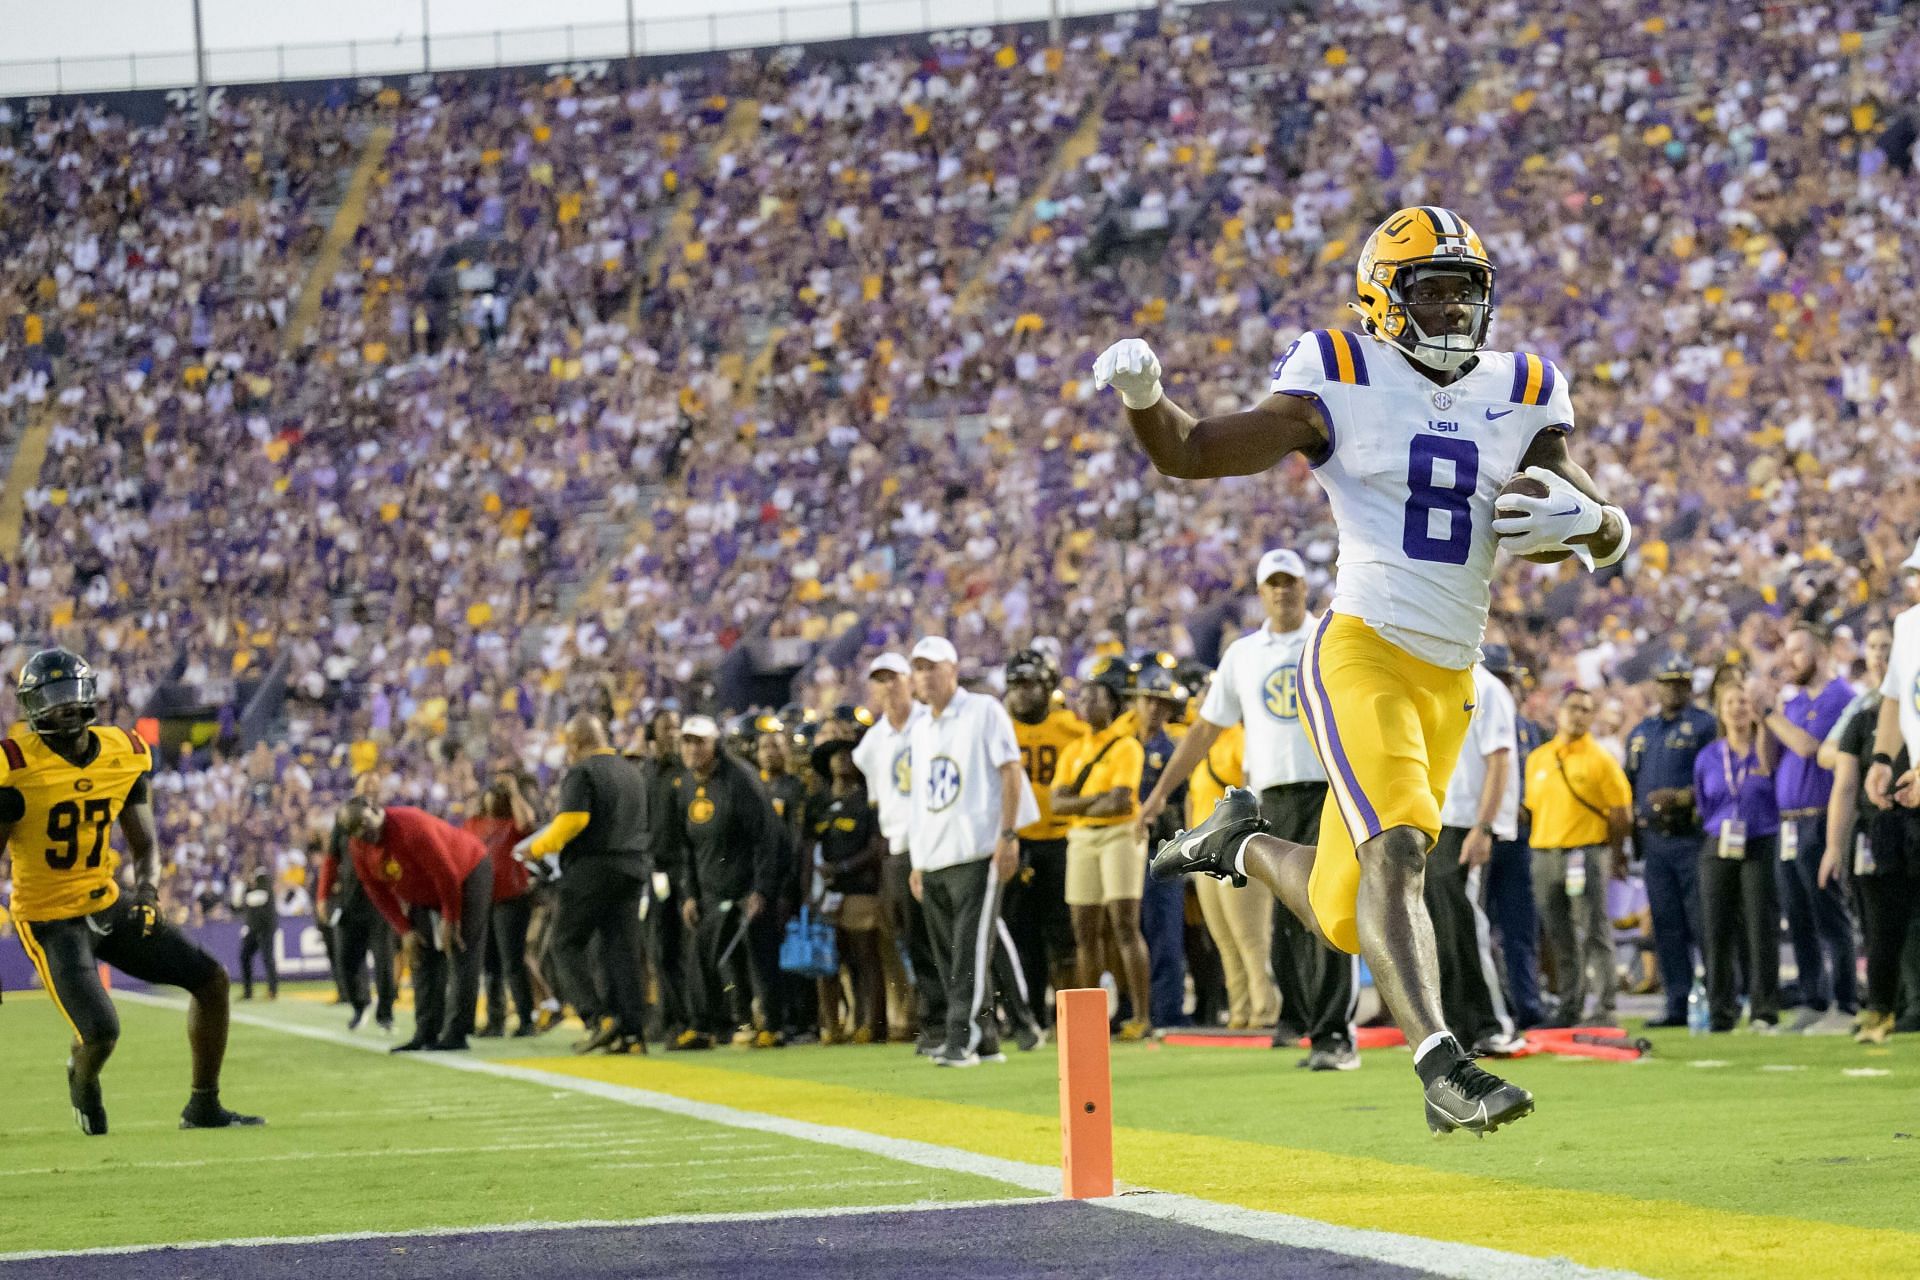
(1497, 659)
(936, 649)
(1281, 560)
(1674, 667)
(1912, 561)
(888, 662)
(699, 727)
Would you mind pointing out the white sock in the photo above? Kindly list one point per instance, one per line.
(1428, 1045)
(1240, 856)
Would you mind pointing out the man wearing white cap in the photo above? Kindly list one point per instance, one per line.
(1895, 866)
(882, 756)
(1258, 684)
(970, 800)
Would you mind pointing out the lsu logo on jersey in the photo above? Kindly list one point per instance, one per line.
(903, 771)
(943, 783)
(1282, 691)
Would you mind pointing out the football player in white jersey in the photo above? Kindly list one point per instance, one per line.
(1413, 429)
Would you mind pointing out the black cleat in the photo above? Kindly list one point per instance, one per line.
(1209, 848)
(627, 1044)
(359, 1016)
(599, 1038)
(211, 1115)
(414, 1045)
(452, 1044)
(1478, 1101)
(89, 1108)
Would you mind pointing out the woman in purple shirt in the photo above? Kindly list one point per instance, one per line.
(1739, 905)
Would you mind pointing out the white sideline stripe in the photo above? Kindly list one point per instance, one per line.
(618, 1146)
(585, 1224)
(1434, 1257)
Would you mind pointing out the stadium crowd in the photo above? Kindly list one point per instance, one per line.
(804, 339)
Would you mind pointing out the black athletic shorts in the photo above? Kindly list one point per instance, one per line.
(67, 954)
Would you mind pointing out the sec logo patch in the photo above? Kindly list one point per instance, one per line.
(1282, 693)
(903, 772)
(943, 783)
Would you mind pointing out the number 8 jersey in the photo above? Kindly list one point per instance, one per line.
(63, 815)
(1411, 470)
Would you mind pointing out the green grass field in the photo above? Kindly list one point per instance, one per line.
(1797, 1135)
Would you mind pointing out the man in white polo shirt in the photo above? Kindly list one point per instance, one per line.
(1482, 805)
(1258, 684)
(970, 798)
(882, 756)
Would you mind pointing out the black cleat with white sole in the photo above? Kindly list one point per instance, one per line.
(1209, 848)
(1478, 1101)
(89, 1109)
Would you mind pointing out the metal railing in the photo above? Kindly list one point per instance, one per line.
(557, 47)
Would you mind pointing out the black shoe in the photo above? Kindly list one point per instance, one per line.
(1029, 1036)
(452, 1044)
(203, 1111)
(628, 1044)
(1333, 1057)
(691, 1040)
(989, 1051)
(929, 1044)
(359, 1016)
(385, 1024)
(89, 1108)
(1469, 1098)
(492, 1031)
(525, 1029)
(1671, 1020)
(1208, 849)
(414, 1045)
(603, 1035)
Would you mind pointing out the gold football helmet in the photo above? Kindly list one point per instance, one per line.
(1413, 242)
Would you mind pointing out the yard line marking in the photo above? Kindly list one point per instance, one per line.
(488, 1228)
(1432, 1257)
(295, 1157)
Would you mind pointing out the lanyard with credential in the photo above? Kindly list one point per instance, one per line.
(1735, 781)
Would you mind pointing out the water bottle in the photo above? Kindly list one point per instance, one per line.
(1698, 1016)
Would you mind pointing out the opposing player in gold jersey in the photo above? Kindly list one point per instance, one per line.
(63, 784)
(1036, 909)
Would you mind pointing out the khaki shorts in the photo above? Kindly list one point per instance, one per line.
(858, 913)
(1105, 864)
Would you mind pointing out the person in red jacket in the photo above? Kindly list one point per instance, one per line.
(434, 884)
(504, 820)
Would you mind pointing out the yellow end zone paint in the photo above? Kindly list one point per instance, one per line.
(1653, 1237)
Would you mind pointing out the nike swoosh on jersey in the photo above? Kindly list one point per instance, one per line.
(1495, 414)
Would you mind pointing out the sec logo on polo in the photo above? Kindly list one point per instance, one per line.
(1282, 692)
(943, 783)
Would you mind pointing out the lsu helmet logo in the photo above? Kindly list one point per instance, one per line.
(1282, 693)
(1425, 238)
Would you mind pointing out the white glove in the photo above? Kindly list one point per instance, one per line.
(1550, 523)
(1129, 367)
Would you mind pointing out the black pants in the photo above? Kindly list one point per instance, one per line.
(362, 933)
(1470, 992)
(67, 954)
(665, 948)
(1035, 909)
(1740, 917)
(600, 902)
(962, 908)
(1818, 922)
(721, 976)
(251, 945)
(929, 980)
(1318, 985)
(1889, 896)
(330, 940)
(506, 966)
(446, 987)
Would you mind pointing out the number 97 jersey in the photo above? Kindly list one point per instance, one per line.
(1411, 470)
(63, 816)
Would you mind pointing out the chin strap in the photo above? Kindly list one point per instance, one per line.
(1585, 553)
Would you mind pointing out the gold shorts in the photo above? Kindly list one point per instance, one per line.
(1105, 864)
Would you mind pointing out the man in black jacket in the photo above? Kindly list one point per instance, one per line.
(601, 834)
(360, 933)
(729, 839)
(663, 935)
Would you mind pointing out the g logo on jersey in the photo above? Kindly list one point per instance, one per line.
(1283, 693)
(903, 772)
(943, 783)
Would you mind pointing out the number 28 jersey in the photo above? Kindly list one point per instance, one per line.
(1411, 470)
(63, 815)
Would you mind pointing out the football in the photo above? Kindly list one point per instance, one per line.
(1526, 486)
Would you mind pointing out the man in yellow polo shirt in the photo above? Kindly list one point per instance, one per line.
(1581, 805)
(1095, 784)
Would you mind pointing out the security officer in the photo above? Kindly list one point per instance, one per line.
(1157, 699)
(789, 1004)
(1666, 828)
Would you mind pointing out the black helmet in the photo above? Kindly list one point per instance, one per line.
(742, 732)
(1156, 681)
(56, 693)
(1116, 673)
(1033, 665)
